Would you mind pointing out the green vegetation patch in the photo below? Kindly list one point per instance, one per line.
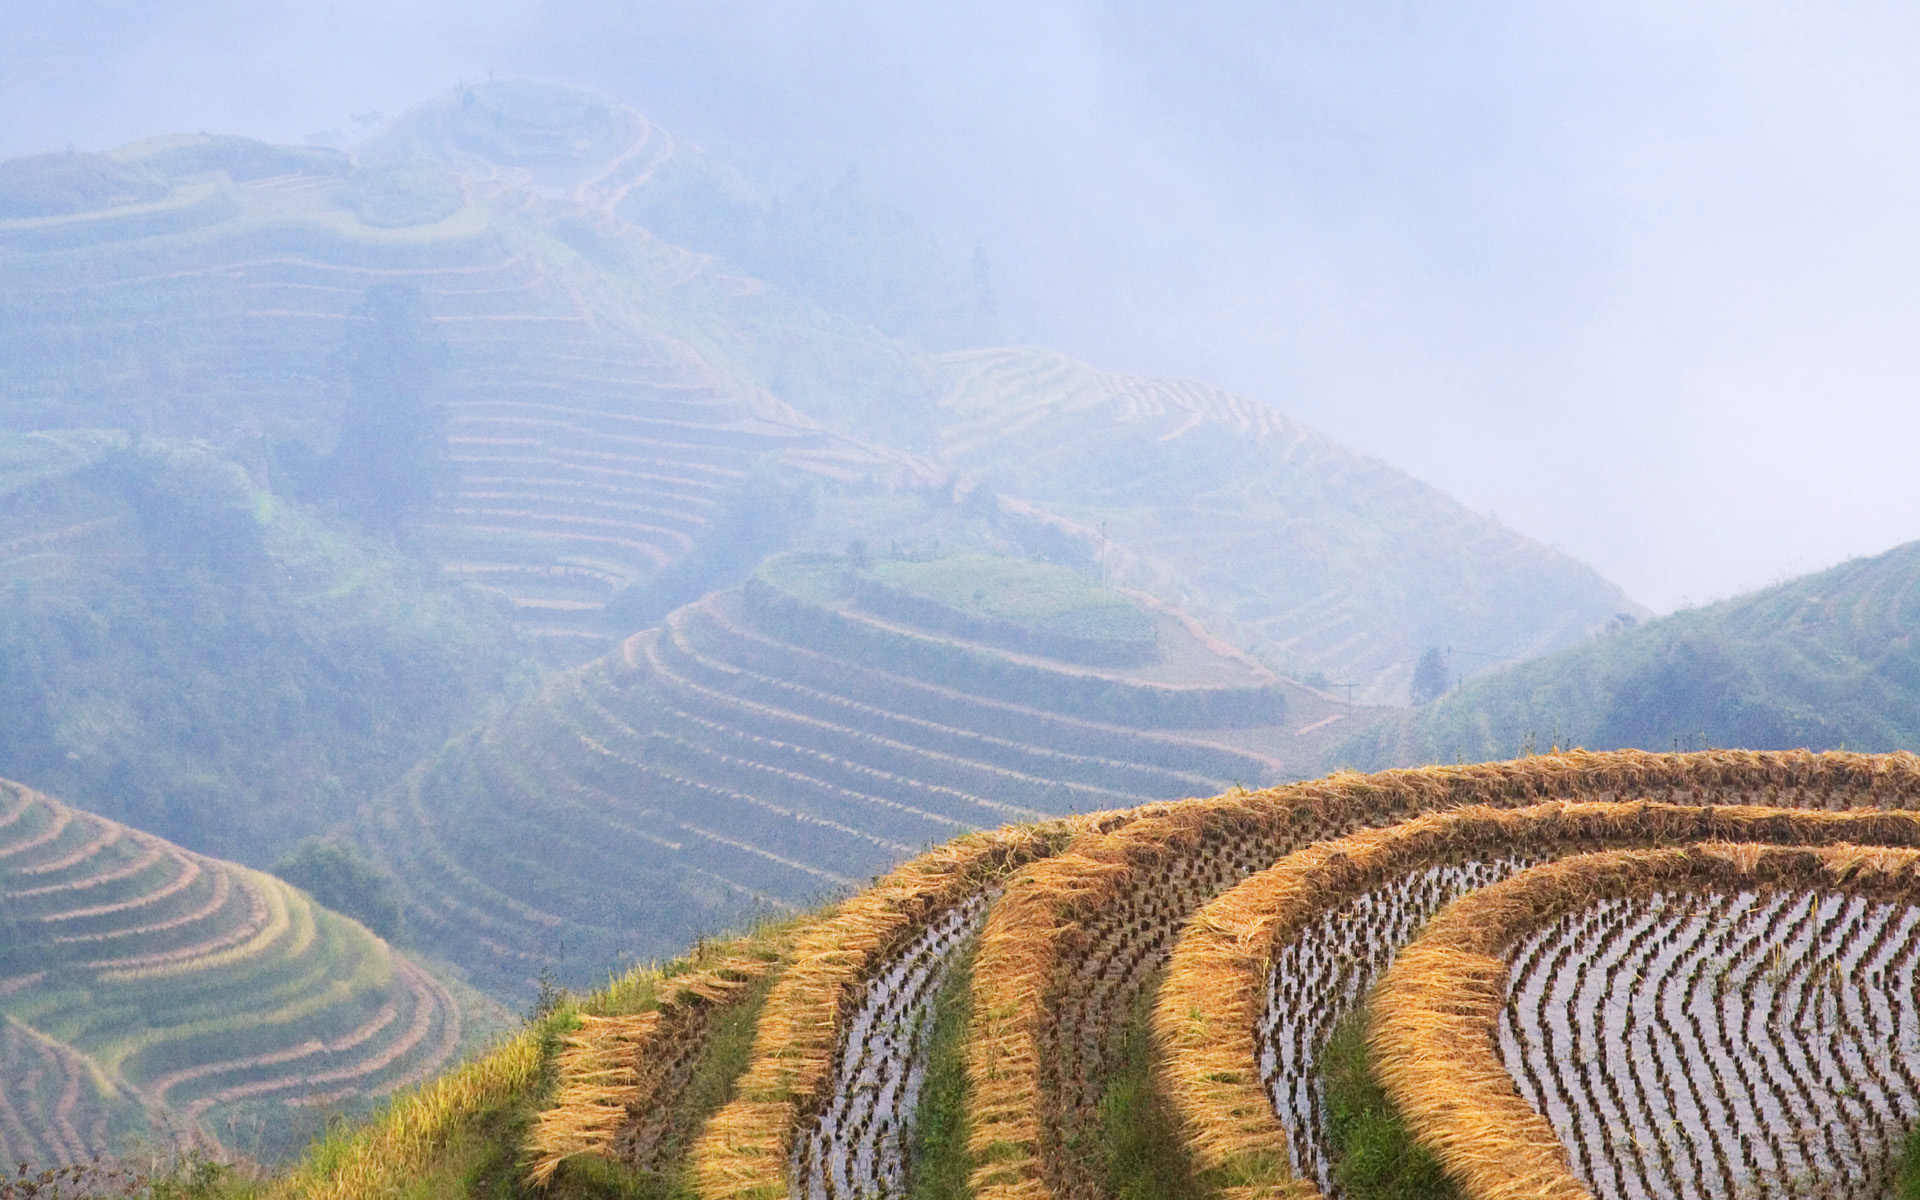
(190, 654)
(937, 1165)
(393, 195)
(1906, 1167)
(1374, 1156)
(1141, 1148)
(58, 185)
(340, 877)
(1040, 595)
(1824, 662)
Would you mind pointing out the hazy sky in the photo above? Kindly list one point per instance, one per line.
(1642, 279)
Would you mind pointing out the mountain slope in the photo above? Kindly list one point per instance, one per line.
(1824, 661)
(614, 402)
(778, 743)
(1229, 506)
(219, 666)
(151, 993)
(590, 441)
(1159, 1001)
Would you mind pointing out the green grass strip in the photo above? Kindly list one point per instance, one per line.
(938, 1165)
(1374, 1157)
(1905, 1167)
(1145, 1157)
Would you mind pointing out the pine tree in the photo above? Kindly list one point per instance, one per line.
(1430, 677)
(392, 435)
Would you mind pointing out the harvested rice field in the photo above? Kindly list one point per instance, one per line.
(1618, 975)
(1751, 1039)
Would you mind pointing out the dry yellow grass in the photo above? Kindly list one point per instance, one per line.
(1434, 1014)
(1059, 877)
(1026, 957)
(1215, 989)
(599, 1091)
(395, 1154)
(1010, 974)
(745, 1149)
(386, 1158)
(617, 1074)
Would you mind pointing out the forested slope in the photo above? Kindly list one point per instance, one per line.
(1824, 661)
(214, 663)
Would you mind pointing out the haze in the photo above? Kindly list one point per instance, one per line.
(1640, 279)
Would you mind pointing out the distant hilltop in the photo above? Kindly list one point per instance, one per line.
(636, 361)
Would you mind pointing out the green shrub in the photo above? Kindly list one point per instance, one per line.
(341, 878)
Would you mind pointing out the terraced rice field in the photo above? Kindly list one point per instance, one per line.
(1617, 975)
(860, 1142)
(151, 992)
(1320, 977)
(1708, 1010)
(608, 392)
(589, 446)
(1749, 1034)
(53, 1111)
(734, 759)
(1259, 517)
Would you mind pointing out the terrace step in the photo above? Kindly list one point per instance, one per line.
(177, 982)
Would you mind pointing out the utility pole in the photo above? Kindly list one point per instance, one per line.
(1103, 556)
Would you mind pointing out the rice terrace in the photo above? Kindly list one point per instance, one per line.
(541, 659)
(1606, 974)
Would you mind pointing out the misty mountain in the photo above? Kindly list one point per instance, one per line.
(607, 393)
(211, 662)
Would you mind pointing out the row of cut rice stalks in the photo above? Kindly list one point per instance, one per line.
(1253, 922)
